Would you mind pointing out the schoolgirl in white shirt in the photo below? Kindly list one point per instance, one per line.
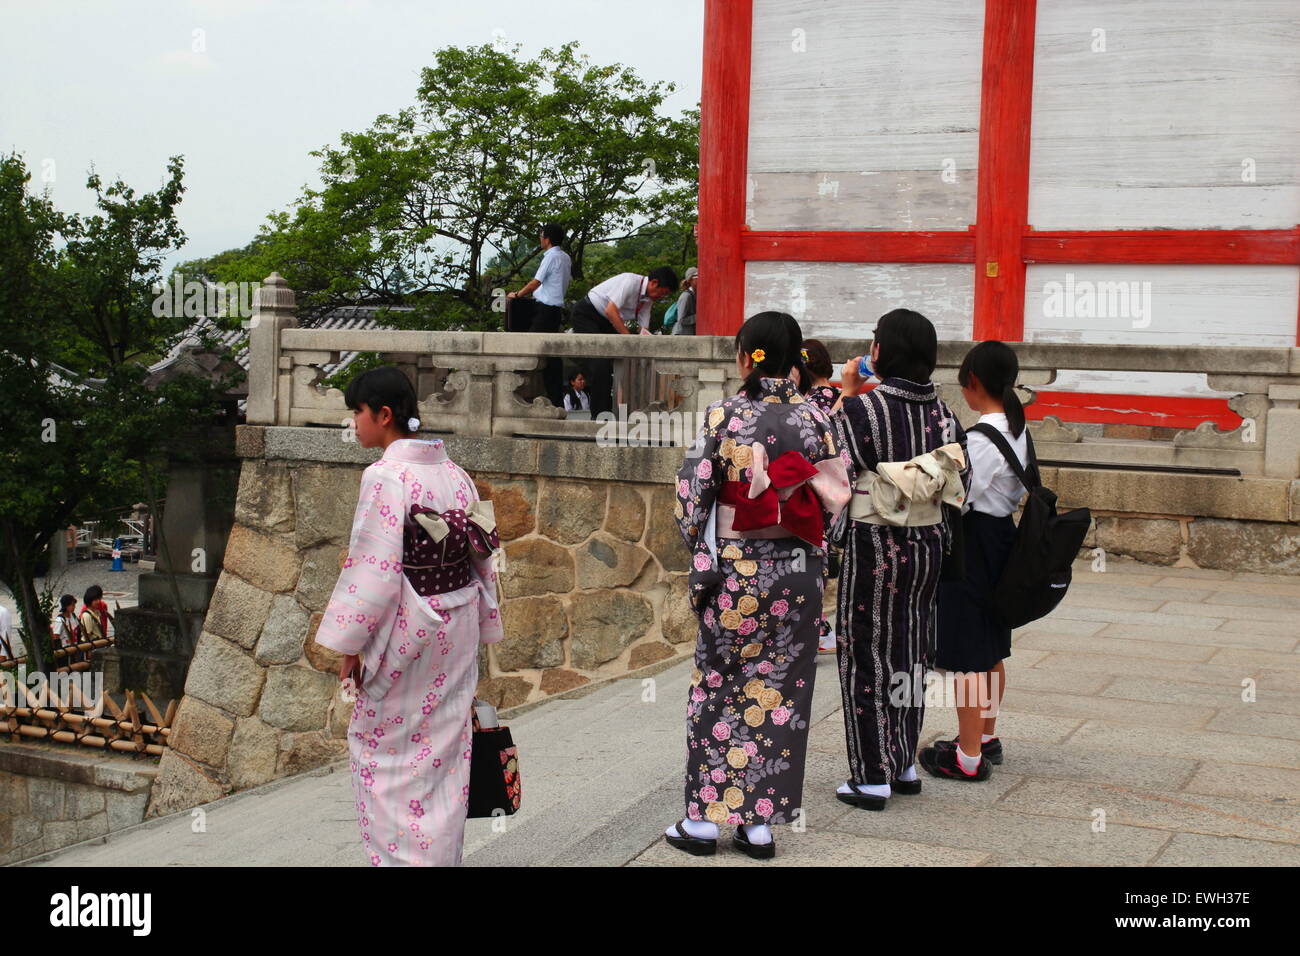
(971, 640)
(576, 398)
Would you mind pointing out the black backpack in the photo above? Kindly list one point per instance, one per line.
(1038, 571)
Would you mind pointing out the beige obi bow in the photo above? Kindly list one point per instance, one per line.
(910, 493)
(480, 513)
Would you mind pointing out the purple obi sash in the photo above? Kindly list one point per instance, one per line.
(438, 546)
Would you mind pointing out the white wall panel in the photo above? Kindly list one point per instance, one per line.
(1158, 130)
(1162, 305)
(844, 299)
(864, 114)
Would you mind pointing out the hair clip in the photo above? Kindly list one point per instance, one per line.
(758, 355)
(804, 353)
(412, 424)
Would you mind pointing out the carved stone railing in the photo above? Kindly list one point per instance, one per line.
(469, 384)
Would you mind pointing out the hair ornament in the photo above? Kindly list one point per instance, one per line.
(758, 355)
(412, 424)
(804, 353)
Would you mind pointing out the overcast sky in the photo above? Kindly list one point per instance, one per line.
(116, 83)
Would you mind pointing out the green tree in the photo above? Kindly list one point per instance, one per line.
(84, 428)
(438, 206)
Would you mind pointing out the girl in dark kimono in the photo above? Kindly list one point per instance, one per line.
(755, 497)
(908, 461)
(824, 395)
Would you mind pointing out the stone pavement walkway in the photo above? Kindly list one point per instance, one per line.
(1125, 706)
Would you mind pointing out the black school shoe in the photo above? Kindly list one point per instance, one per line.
(695, 846)
(759, 851)
(942, 762)
(991, 751)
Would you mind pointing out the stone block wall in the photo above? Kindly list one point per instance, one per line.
(52, 796)
(594, 584)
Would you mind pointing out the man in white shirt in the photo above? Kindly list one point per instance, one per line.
(6, 640)
(611, 307)
(544, 311)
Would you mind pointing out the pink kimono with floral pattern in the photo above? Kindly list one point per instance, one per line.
(409, 737)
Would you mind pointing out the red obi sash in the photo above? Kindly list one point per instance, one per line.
(800, 513)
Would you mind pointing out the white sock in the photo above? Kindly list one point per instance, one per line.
(968, 764)
(985, 738)
(908, 775)
(700, 829)
(867, 789)
(758, 833)
(827, 641)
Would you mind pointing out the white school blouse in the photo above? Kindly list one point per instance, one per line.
(584, 402)
(994, 488)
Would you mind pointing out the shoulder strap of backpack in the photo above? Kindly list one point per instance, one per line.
(1002, 445)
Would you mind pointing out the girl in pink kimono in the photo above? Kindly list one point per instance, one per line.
(415, 597)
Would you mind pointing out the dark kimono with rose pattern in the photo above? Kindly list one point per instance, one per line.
(759, 603)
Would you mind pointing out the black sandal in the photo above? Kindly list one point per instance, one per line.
(863, 801)
(695, 846)
(759, 851)
(909, 788)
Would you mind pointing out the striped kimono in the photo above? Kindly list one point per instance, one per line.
(888, 582)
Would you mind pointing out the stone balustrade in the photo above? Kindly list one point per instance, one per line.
(469, 384)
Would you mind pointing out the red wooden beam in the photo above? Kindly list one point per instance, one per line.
(1261, 247)
(1002, 204)
(871, 246)
(1114, 409)
(724, 148)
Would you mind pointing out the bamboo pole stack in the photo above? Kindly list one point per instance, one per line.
(123, 729)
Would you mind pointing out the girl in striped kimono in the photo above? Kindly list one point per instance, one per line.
(415, 597)
(907, 455)
(755, 496)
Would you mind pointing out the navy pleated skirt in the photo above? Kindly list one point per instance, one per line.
(969, 636)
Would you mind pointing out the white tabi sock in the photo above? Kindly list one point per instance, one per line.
(867, 789)
(968, 764)
(700, 829)
(908, 775)
(758, 833)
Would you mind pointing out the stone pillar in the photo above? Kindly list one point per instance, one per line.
(1282, 432)
(274, 308)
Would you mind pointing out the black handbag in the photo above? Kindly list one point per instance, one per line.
(494, 781)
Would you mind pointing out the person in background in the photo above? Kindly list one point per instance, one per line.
(613, 307)
(576, 398)
(972, 642)
(684, 324)
(65, 624)
(6, 641)
(824, 395)
(94, 616)
(544, 312)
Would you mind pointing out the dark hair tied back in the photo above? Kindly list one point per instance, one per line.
(385, 385)
(995, 365)
(781, 340)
